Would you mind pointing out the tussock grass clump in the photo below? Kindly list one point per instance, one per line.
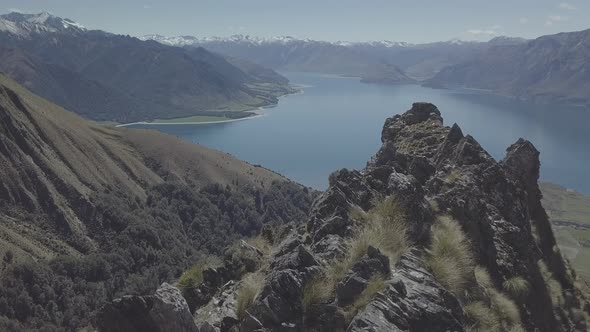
(553, 286)
(247, 293)
(193, 277)
(383, 228)
(451, 261)
(376, 284)
(505, 308)
(501, 308)
(356, 213)
(517, 287)
(317, 290)
(453, 176)
(482, 316)
(449, 256)
(260, 243)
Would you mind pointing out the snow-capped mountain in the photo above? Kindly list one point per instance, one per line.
(171, 41)
(253, 40)
(23, 25)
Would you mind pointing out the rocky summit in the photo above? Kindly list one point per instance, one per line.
(433, 235)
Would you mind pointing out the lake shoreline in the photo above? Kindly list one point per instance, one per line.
(251, 113)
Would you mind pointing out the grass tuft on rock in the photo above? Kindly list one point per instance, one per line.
(517, 287)
(553, 286)
(317, 290)
(504, 310)
(383, 227)
(247, 293)
(376, 284)
(482, 317)
(449, 256)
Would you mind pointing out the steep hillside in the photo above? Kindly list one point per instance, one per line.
(433, 235)
(569, 212)
(138, 80)
(553, 68)
(91, 212)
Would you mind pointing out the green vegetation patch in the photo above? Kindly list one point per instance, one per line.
(194, 119)
(569, 212)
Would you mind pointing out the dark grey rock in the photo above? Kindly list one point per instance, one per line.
(165, 311)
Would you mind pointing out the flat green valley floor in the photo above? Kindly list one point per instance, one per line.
(569, 212)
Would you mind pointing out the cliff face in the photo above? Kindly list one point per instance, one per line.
(509, 273)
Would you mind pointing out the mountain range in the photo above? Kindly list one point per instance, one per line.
(549, 69)
(554, 68)
(111, 77)
(418, 61)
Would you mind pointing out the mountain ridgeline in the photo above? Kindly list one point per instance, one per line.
(433, 235)
(109, 77)
(553, 69)
(90, 213)
(549, 69)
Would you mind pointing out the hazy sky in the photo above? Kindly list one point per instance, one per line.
(351, 20)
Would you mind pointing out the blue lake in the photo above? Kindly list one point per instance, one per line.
(336, 123)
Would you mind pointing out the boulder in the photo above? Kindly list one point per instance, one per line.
(165, 311)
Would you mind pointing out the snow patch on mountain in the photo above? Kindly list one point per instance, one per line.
(22, 25)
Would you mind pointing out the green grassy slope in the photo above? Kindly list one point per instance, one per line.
(569, 212)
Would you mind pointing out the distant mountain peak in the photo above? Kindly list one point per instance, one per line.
(505, 40)
(254, 40)
(23, 25)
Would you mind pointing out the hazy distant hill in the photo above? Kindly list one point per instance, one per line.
(418, 61)
(554, 68)
(112, 77)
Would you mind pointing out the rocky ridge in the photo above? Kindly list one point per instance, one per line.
(430, 170)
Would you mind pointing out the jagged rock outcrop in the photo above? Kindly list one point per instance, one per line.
(431, 170)
(165, 311)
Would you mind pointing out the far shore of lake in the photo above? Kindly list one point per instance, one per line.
(251, 113)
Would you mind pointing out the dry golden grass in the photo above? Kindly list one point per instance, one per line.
(376, 284)
(453, 176)
(553, 286)
(383, 228)
(260, 243)
(449, 256)
(193, 277)
(501, 308)
(482, 317)
(452, 263)
(247, 293)
(317, 291)
(517, 287)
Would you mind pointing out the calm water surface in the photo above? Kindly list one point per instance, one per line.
(337, 123)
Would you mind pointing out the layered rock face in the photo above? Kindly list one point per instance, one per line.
(431, 170)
